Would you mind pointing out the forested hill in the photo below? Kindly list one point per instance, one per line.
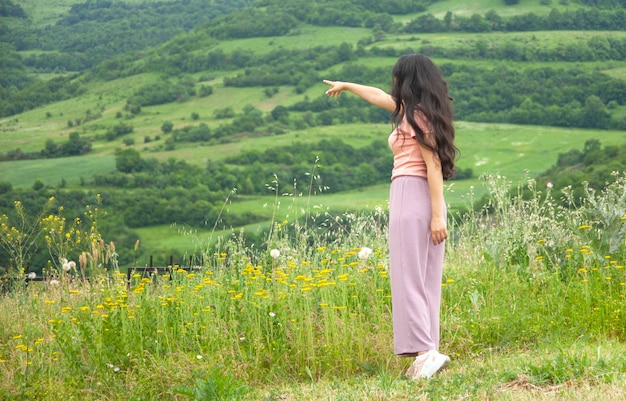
(87, 34)
(103, 37)
(96, 30)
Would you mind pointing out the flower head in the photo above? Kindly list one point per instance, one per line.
(274, 253)
(365, 253)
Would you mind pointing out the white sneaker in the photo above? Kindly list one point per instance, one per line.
(426, 365)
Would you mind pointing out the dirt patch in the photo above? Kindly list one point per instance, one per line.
(523, 383)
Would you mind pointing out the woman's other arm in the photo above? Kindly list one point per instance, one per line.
(438, 224)
(373, 95)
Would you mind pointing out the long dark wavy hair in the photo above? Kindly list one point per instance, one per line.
(418, 86)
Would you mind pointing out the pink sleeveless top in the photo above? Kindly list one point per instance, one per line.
(407, 155)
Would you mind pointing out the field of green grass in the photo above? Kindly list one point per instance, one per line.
(54, 171)
(467, 9)
(545, 40)
(532, 309)
(308, 37)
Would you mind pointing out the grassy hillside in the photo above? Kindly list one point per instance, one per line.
(504, 149)
(46, 14)
(509, 150)
(466, 9)
(531, 310)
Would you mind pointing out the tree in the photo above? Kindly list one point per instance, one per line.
(226, 112)
(167, 127)
(476, 23)
(592, 152)
(5, 187)
(425, 23)
(51, 149)
(128, 161)
(595, 114)
(280, 113)
(447, 20)
(75, 145)
(205, 91)
(495, 19)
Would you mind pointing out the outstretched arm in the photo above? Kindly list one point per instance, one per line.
(373, 95)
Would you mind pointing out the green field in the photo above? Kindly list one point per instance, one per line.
(486, 148)
(308, 37)
(467, 9)
(54, 171)
(512, 151)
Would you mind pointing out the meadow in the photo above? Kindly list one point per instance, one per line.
(533, 308)
(440, 8)
(533, 292)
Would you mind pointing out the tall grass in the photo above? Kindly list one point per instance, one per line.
(312, 304)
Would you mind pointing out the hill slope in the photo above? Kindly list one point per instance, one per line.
(200, 102)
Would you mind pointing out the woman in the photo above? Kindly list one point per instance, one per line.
(422, 143)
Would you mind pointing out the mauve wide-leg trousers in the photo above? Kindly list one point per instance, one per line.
(415, 267)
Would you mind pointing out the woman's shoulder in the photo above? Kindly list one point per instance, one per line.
(422, 122)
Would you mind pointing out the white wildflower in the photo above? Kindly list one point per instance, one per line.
(274, 253)
(115, 368)
(54, 283)
(32, 275)
(66, 267)
(365, 253)
(272, 314)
